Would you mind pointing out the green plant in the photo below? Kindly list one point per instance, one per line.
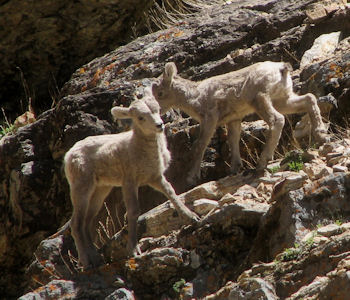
(338, 222)
(274, 169)
(291, 253)
(310, 241)
(294, 160)
(6, 127)
(178, 285)
(295, 165)
(5, 130)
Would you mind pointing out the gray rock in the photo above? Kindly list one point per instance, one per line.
(323, 46)
(329, 230)
(56, 289)
(121, 294)
(297, 212)
(255, 288)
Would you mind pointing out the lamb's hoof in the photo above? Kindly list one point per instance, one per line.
(249, 172)
(195, 218)
(93, 263)
(321, 137)
(237, 169)
(260, 172)
(191, 217)
(253, 172)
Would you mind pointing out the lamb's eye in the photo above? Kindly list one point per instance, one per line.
(160, 94)
(140, 118)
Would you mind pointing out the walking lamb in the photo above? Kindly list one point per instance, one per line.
(265, 88)
(128, 159)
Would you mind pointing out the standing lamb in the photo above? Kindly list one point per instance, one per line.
(128, 159)
(265, 88)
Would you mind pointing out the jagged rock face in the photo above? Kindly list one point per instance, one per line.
(331, 76)
(34, 197)
(48, 40)
(296, 224)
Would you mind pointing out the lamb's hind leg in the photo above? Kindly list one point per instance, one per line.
(275, 121)
(94, 207)
(81, 193)
(306, 103)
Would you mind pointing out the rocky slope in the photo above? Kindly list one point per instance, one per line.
(280, 236)
(246, 219)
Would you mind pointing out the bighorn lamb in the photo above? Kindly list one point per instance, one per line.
(265, 88)
(128, 159)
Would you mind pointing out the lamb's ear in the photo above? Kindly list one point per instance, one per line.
(170, 71)
(120, 112)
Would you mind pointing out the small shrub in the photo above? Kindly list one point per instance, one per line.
(291, 253)
(274, 169)
(294, 161)
(338, 222)
(178, 285)
(6, 129)
(309, 243)
(295, 166)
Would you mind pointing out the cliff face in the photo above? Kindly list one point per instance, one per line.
(248, 220)
(48, 40)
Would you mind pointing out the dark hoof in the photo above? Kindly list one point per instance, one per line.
(94, 262)
(248, 172)
(253, 172)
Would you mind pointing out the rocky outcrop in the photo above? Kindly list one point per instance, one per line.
(317, 268)
(280, 236)
(34, 197)
(43, 42)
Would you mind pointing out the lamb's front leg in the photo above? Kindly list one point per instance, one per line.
(162, 185)
(233, 137)
(130, 197)
(207, 129)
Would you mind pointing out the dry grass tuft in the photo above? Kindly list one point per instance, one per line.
(167, 13)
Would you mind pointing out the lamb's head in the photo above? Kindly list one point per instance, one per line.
(162, 87)
(145, 114)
